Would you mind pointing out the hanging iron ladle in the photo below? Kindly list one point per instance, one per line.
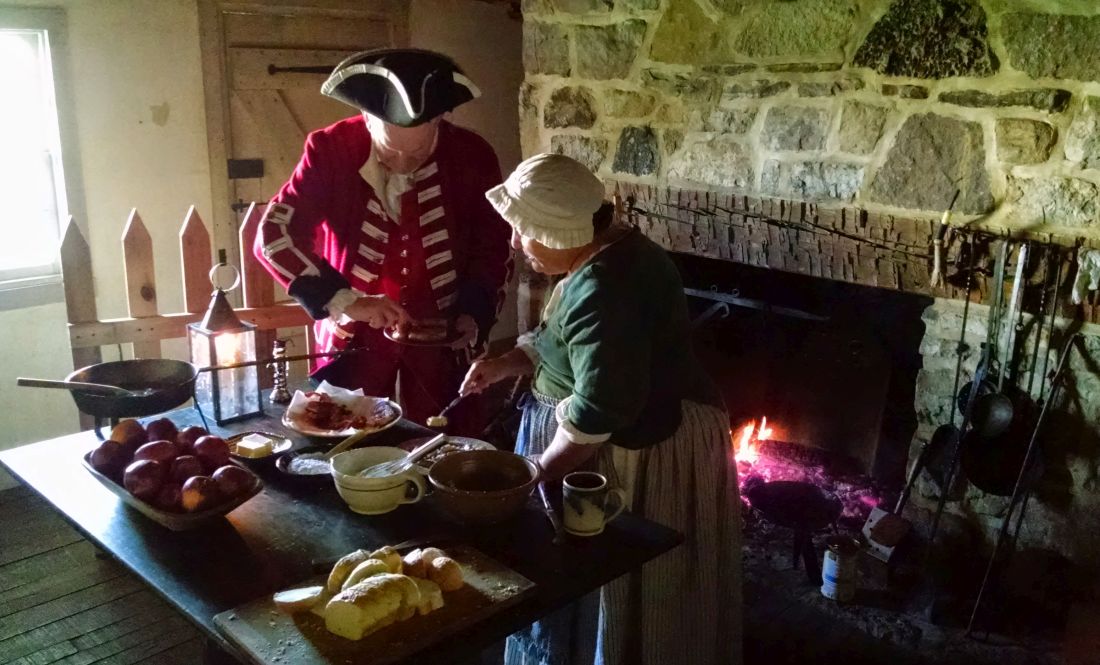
(994, 412)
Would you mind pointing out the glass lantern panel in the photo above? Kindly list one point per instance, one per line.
(238, 389)
(202, 352)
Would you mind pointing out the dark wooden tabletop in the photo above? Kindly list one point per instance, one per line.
(271, 542)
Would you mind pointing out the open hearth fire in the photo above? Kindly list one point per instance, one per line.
(762, 456)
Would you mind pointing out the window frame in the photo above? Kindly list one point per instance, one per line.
(29, 287)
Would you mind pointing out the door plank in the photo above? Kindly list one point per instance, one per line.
(248, 67)
(347, 32)
(280, 133)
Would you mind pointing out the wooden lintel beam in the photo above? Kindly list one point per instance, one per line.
(169, 326)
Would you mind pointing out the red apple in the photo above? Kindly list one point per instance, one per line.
(158, 451)
(200, 493)
(110, 458)
(169, 497)
(184, 467)
(233, 481)
(130, 433)
(161, 428)
(187, 437)
(144, 478)
(212, 451)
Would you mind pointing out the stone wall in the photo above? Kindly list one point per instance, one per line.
(876, 110)
(1064, 513)
(884, 104)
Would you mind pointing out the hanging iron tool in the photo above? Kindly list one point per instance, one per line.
(716, 295)
(936, 280)
(1021, 479)
(946, 436)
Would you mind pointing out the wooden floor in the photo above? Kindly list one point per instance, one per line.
(62, 604)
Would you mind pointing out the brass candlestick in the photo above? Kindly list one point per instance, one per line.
(280, 370)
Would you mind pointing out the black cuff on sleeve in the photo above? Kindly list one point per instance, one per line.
(314, 291)
(479, 304)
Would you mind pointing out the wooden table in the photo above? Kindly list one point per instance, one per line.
(270, 542)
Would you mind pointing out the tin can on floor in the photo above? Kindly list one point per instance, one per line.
(838, 573)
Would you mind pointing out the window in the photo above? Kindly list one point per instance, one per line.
(32, 182)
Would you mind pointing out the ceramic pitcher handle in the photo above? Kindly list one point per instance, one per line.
(418, 481)
(620, 499)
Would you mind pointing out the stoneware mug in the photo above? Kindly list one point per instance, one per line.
(374, 496)
(588, 503)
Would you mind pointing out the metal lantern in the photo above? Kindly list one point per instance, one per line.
(223, 340)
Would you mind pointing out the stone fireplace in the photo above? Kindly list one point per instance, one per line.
(825, 138)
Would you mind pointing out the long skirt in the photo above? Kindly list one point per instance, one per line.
(683, 607)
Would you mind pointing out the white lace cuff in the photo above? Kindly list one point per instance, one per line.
(340, 301)
(561, 413)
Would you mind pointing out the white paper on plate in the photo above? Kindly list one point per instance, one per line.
(354, 400)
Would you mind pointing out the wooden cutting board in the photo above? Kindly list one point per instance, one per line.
(269, 637)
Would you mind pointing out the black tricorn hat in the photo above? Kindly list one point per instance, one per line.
(405, 87)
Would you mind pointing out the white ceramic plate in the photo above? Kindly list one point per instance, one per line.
(357, 405)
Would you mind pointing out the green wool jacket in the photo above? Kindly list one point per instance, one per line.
(619, 343)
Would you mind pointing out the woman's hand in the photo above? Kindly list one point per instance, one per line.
(484, 373)
(377, 312)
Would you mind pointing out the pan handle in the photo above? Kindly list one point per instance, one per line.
(97, 388)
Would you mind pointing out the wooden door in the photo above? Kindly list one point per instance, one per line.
(263, 69)
(263, 66)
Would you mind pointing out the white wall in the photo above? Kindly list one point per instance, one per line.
(488, 45)
(136, 86)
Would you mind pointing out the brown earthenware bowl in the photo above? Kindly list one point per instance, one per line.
(478, 487)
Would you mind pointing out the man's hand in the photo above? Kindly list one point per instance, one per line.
(467, 331)
(377, 312)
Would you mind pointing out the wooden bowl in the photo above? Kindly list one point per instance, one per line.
(478, 487)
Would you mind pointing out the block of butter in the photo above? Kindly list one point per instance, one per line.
(254, 446)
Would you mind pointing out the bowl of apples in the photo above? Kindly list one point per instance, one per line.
(180, 479)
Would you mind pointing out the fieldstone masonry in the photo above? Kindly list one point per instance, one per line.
(997, 104)
(851, 112)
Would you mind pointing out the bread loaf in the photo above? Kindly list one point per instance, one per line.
(414, 564)
(365, 607)
(368, 568)
(390, 556)
(430, 554)
(293, 601)
(446, 572)
(431, 596)
(343, 568)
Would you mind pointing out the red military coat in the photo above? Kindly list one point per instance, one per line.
(446, 254)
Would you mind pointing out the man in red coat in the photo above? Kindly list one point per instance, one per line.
(385, 221)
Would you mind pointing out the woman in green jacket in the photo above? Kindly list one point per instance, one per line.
(616, 384)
